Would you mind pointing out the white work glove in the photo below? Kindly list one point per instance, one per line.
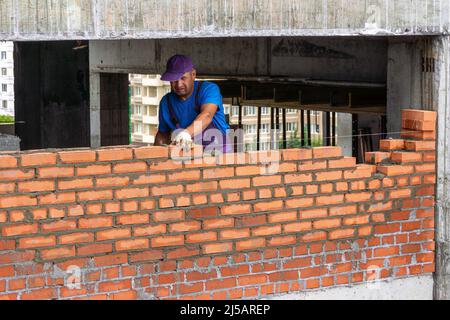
(183, 140)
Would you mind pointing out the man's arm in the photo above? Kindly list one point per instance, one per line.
(162, 138)
(204, 118)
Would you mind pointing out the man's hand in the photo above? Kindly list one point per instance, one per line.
(183, 140)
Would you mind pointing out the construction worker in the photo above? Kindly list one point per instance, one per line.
(192, 112)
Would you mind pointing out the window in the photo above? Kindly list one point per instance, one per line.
(137, 91)
(250, 129)
(265, 146)
(3, 55)
(4, 71)
(265, 110)
(4, 87)
(138, 127)
(4, 104)
(291, 126)
(235, 111)
(265, 128)
(137, 109)
(291, 110)
(250, 111)
(315, 128)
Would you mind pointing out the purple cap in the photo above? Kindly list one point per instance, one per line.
(177, 66)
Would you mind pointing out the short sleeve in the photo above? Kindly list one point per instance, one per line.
(163, 126)
(211, 94)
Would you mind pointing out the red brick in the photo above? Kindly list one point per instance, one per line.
(114, 154)
(207, 212)
(151, 152)
(326, 152)
(139, 218)
(13, 175)
(172, 215)
(328, 200)
(166, 241)
(419, 125)
(266, 230)
(377, 157)
(297, 226)
(299, 203)
(392, 144)
(396, 170)
(419, 115)
(131, 193)
(95, 195)
(97, 222)
(250, 244)
(420, 145)
(37, 242)
(19, 229)
(17, 201)
(152, 255)
(329, 176)
(218, 223)
(149, 230)
(166, 190)
(233, 184)
(113, 234)
(296, 154)
(56, 172)
(268, 206)
(38, 159)
(132, 244)
(339, 234)
(327, 223)
(114, 286)
(216, 173)
(93, 249)
(63, 252)
(266, 180)
(112, 182)
(362, 171)
(282, 217)
(201, 237)
(235, 234)
(40, 294)
(79, 237)
(282, 241)
(94, 170)
(252, 280)
(298, 178)
(236, 209)
(77, 156)
(217, 247)
(185, 226)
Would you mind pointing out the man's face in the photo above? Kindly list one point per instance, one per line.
(184, 86)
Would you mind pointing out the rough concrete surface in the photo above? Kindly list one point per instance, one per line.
(127, 19)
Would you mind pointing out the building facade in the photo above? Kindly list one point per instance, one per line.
(6, 78)
(146, 93)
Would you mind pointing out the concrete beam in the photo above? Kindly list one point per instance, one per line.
(345, 59)
(149, 19)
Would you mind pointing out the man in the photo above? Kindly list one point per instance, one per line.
(192, 112)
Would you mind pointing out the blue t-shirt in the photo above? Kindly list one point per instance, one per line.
(185, 110)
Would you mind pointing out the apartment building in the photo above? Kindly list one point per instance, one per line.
(146, 93)
(6, 78)
(293, 126)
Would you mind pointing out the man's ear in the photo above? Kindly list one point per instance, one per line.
(194, 73)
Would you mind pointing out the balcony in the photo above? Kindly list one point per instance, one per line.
(150, 120)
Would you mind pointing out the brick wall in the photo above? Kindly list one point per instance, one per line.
(141, 225)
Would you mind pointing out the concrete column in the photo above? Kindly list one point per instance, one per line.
(344, 133)
(404, 74)
(95, 109)
(442, 275)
